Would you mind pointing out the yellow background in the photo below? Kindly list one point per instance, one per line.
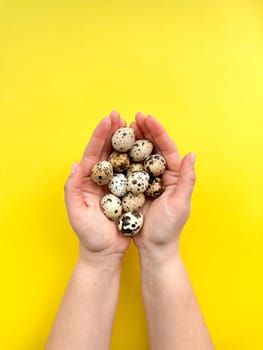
(195, 65)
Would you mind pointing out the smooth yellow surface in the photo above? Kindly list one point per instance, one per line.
(195, 65)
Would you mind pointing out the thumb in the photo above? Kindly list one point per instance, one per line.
(187, 179)
(72, 190)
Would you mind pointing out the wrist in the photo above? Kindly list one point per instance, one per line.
(99, 260)
(159, 271)
(155, 255)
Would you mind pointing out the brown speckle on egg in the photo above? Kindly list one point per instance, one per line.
(156, 187)
(101, 172)
(123, 139)
(130, 223)
(155, 164)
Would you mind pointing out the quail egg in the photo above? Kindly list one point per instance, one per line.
(123, 139)
(156, 187)
(138, 182)
(118, 185)
(119, 161)
(130, 223)
(133, 202)
(155, 164)
(101, 172)
(140, 150)
(135, 167)
(111, 206)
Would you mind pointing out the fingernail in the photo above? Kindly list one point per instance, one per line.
(74, 165)
(192, 158)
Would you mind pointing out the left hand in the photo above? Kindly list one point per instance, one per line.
(165, 216)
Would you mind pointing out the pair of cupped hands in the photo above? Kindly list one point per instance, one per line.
(164, 217)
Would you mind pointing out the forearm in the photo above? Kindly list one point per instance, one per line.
(174, 318)
(85, 318)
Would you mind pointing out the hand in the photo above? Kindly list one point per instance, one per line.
(166, 215)
(97, 234)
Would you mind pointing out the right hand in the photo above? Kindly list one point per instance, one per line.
(165, 216)
(98, 236)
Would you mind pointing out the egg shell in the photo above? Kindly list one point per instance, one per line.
(118, 185)
(130, 223)
(141, 150)
(119, 161)
(156, 187)
(134, 167)
(132, 202)
(155, 164)
(101, 172)
(123, 139)
(111, 206)
(138, 182)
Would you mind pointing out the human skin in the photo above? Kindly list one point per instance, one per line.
(174, 318)
(85, 317)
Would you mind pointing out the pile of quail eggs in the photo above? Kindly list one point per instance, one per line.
(131, 173)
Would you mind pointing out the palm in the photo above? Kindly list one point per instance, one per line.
(163, 217)
(162, 220)
(104, 235)
(96, 232)
(160, 215)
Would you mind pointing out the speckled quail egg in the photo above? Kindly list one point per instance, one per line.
(135, 167)
(118, 185)
(156, 187)
(141, 150)
(111, 206)
(130, 223)
(138, 182)
(132, 202)
(119, 161)
(123, 139)
(155, 164)
(101, 172)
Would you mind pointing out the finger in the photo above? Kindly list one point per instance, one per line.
(139, 135)
(163, 142)
(72, 191)
(115, 124)
(141, 123)
(139, 118)
(185, 186)
(122, 123)
(95, 146)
